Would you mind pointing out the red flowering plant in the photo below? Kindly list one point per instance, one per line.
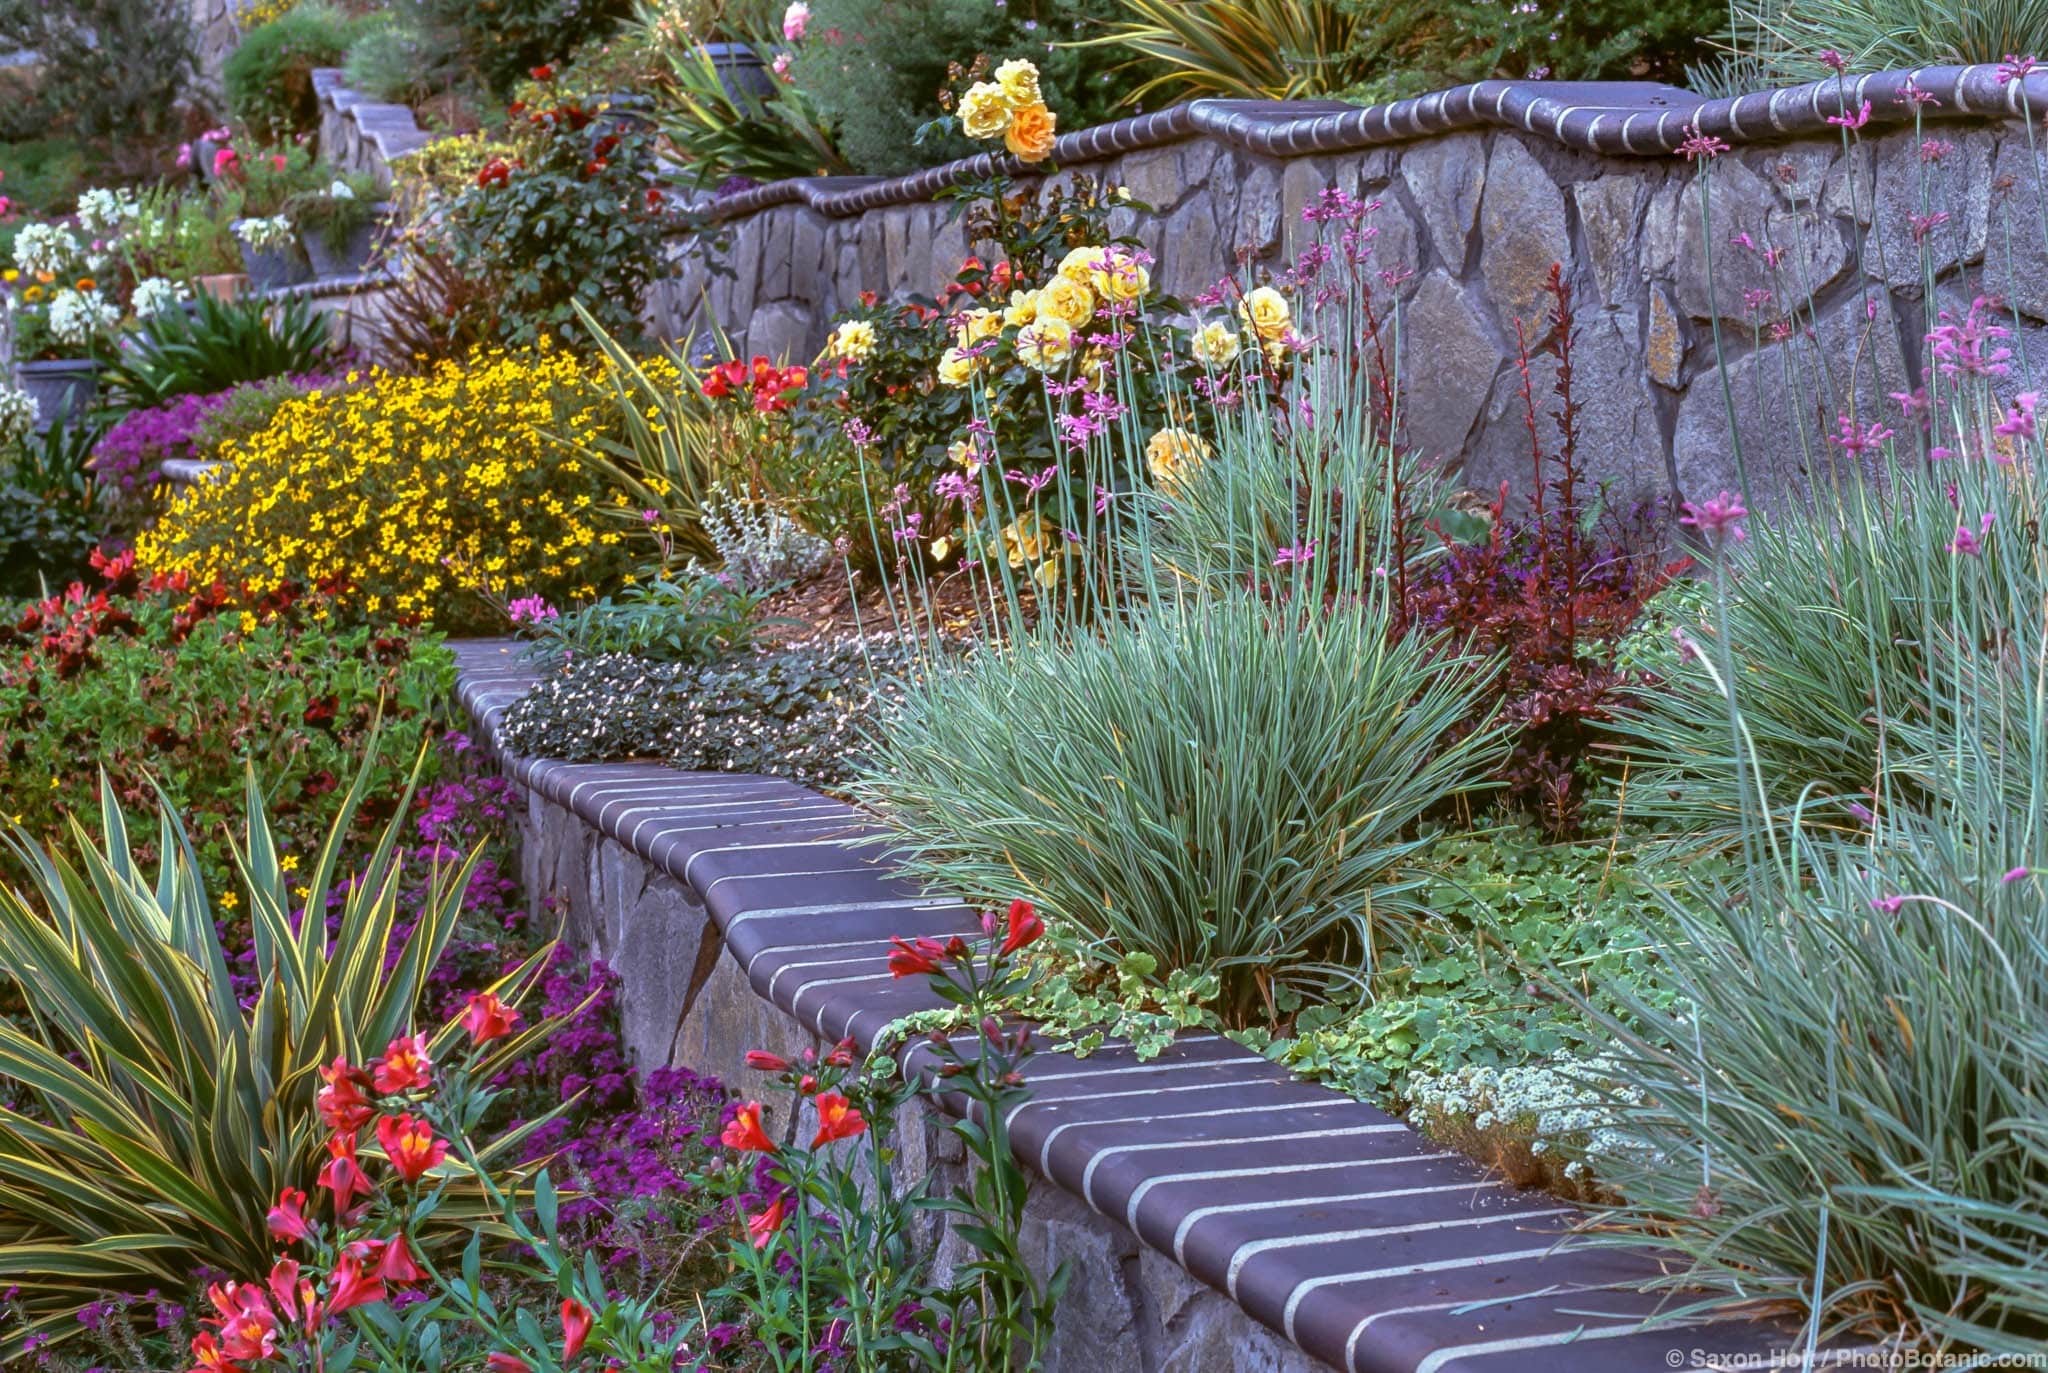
(572, 217)
(400, 1149)
(828, 1262)
(162, 682)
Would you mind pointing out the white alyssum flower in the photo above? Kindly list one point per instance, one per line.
(154, 295)
(75, 316)
(1564, 1101)
(45, 250)
(105, 212)
(340, 190)
(265, 235)
(17, 415)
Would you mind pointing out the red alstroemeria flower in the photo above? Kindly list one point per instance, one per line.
(910, 959)
(287, 1219)
(248, 1327)
(842, 1054)
(408, 1141)
(837, 1120)
(576, 1323)
(343, 1107)
(349, 1286)
(342, 1175)
(395, 1264)
(208, 1357)
(405, 1066)
(283, 1283)
(763, 1061)
(744, 1131)
(762, 1228)
(506, 1363)
(486, 1018)
(1025, 927)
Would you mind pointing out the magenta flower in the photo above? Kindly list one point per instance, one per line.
(1969, 347)
(2013, 875)
(1833, 61)
(1852, 440)
(857, 432)
(2020, 423)
(1913, 93)
(1297, 553)
(1887, 905)
(1851, 121)
(1718, 518)
(531, 610)
(1923, 225)
(2016, 68)
(1935, 149)
(1699, 145)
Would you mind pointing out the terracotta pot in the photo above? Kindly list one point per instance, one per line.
(226, 287)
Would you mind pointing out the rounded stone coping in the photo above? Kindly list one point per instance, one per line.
(1368, 1246)
(1615, 118)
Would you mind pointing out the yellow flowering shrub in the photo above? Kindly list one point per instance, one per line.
(418, 494)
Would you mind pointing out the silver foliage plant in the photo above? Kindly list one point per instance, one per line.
(1207, 744)
(1850, 1109)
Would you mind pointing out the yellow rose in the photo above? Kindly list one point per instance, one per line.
(957, 367)
(854, 340)
(1265, 312)
(1045, 345)
(1067, 301)
(1120, 276)
(977, 325)
(1022, 310)
(1082, 263)
(1048, 574)
(1019, 81)
(1030, 133)
(984, 112)
(1215, 344)
(1172, 455)
(1023, 540)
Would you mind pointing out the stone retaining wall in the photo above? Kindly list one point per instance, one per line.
(1480, 191)
(1219, 1216)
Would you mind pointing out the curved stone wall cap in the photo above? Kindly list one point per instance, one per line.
(1614, 118)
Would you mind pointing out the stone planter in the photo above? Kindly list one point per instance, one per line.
(60, 387)
(351, 258)
(740, 71)
(273, 268)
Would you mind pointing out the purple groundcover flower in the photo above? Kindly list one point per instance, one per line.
(129, 455)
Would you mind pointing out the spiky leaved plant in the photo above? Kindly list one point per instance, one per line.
(158, 1116)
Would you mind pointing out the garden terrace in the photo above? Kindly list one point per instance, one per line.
(742, 912)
